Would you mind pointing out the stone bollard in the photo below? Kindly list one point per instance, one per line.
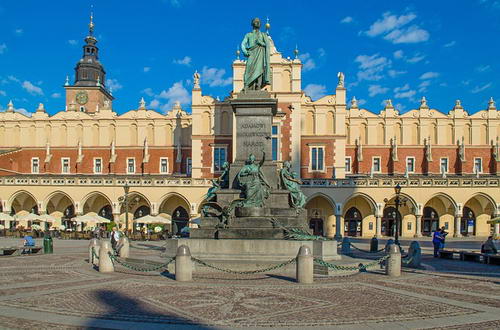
(414, 255)
(124, 251)
(393, 265)
(305, 265)
(105, 263)
(183, 264)
(93, 245)
(374, 244)
(346, 246)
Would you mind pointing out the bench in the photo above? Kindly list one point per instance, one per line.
(448, 254)
(470, 256)
(492, 259)
(17, 251)
(10, 251)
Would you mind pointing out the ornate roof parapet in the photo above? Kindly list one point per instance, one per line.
(341, 78)
(142, 104)
(491, 104)
(10, 107)
(389, 110)
(40, 108)
(458, 111)
(423, 103)
(196, 80)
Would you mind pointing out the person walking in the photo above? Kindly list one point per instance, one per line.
(443, 235)
(115, 237)
(437, 241)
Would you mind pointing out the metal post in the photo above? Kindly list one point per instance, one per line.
(396, 234)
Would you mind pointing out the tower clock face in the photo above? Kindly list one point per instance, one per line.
(82, 98)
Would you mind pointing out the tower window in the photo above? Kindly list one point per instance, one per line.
(82, 109)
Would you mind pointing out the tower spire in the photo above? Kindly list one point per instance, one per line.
(91, 24)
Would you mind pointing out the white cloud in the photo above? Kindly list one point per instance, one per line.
(429, 75)
(113, 84)
(177, 92)
(3, 48)
(400, 107)
(184, 61)
(479, 89)
(423, 86)
(376, 89)
(73, 42)
(371, 67)
(347, 19)
(398, 54)
(315, 91)
(3, 93)
(55, 95)
(321, 52)
(154, 104)
(483, 68)
(395, 73)
(147, 69)
(393, 27)
(450, 44)
(215, 77)
(148, 91)
(361, 101)
(13, 78)
(410, 35)
(307, 62)
(408, 94)
(32, 89)
(19, 31)
(416, 58)
(388, 23)
(402, 88)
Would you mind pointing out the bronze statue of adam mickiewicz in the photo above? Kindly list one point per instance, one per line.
(256, 47)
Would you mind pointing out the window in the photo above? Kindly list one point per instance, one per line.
(82, 109)
(65, 166)
(478, 165)
(443, 165)
(97, 165)
(376, 168)
(275, 142)
(317, 159)
(163, 165)
(130, 165)
(35, 165)
(219, 158)
(189, 166)
(348, 168)
(410, 164)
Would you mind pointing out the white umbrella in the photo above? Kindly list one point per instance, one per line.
(6, 217)
(47, 218)
(90, 218)
(152, 219)
(29, 217)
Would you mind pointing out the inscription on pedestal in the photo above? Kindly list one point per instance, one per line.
(253, 136)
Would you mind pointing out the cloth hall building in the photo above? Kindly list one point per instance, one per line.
(78, 160)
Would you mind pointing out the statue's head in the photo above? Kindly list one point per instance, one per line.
(251, 158)
(225, 165)
(256, 23)
(287, 164)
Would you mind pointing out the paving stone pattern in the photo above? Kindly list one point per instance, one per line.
(62, 291)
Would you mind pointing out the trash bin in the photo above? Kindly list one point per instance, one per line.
(48, 245)
(374, 244)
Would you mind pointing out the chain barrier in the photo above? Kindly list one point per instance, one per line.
(157, 248)
(358, 268)
(138, 268)
(366, 251)
(94, 255)
(246, 272)
(407, 260)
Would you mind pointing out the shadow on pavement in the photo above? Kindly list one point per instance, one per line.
(119, 307)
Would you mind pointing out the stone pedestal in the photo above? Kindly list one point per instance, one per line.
(249, 254)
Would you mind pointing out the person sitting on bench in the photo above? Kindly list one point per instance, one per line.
(29, 242)
(489, 246)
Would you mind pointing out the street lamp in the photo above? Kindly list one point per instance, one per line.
(398, 202)
(126, 188)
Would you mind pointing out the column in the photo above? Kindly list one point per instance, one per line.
(458, 218)
(418, 226)
(378, 225)
(338, 225)
(497, 228)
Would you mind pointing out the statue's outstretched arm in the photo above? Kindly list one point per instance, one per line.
(244, 46)
(263, 158)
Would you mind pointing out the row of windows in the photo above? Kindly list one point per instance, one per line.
(98, 165)
(410, 165)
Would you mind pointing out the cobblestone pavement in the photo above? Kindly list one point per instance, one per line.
(62, 291)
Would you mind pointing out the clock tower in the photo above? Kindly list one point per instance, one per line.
(88, 93)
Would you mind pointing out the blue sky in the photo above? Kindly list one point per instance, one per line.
(402, 50)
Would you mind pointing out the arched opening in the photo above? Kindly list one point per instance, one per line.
(476, 213)
(97, 202)
(142, 211)
(180, 219)
(106, 212)
(430, 221)
(57, 205)
(320, 215)
(353, 223)
(389, 221)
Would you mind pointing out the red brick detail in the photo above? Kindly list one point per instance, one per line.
(206, 153)
(329, 143)
(286, 131)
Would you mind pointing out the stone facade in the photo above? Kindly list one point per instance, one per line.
(349, 158)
